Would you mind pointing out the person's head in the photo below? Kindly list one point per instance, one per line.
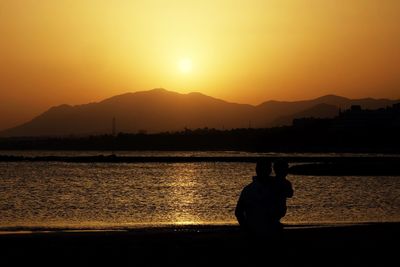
(281, 168)
(263, 168)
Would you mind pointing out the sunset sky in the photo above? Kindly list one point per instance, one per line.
(247, 51)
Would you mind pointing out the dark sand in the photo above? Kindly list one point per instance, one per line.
(351, 245)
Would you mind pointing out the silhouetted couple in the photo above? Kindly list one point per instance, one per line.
(262, 203)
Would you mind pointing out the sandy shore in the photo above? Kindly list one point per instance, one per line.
(351, 245)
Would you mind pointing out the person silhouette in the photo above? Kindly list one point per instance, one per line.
(283, 186)
(256, 209)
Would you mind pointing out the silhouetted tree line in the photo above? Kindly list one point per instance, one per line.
(316, 138)
(354, 130)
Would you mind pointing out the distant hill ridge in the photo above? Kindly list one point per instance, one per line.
(159, 110)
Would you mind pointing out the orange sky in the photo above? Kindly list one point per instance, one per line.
(247, 51)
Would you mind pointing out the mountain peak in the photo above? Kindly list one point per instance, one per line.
(331, 97)
(160, 89)
(130, 95)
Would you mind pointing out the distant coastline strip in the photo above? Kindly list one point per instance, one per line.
(319, 166)
(185, 159)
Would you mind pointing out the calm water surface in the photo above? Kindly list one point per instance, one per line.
(107, 195)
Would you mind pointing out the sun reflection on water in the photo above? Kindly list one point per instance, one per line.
(184, 189)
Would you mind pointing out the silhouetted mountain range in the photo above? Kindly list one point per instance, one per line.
(160, 110)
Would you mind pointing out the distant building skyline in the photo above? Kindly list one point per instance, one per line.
(356, 118)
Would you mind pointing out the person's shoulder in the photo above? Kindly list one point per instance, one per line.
(249, 187)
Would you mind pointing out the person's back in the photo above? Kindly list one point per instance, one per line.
(256, 207)
(283, 186)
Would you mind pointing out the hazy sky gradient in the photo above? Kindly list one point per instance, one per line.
(248, 51)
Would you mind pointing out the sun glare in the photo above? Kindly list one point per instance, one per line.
(185, 65)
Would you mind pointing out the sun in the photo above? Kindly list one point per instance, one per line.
(185, 65)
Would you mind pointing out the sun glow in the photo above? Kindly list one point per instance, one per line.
(240, 51)
(185, 65)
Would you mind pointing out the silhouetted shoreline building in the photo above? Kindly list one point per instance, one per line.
(356, 118)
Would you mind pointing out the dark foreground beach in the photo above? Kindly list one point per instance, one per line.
(346, 245)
